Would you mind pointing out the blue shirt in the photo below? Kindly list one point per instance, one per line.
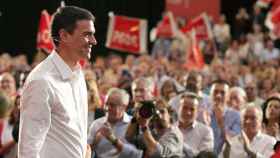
(232, 125)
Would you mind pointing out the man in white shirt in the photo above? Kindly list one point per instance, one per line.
(193, 83)
(197, 136)
(115, 122)
(53, 121)
(251, 142)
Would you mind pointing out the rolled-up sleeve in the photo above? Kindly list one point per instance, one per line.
(130, 151)
(35, 118)
(167, 146)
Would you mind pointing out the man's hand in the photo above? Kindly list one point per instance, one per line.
(98, 136)
(106, 130)
(206, 118)
(219, 114)
(246, 145)
(88, 152)
(226, 152)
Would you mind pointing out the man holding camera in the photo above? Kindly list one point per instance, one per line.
(106, 131)
(160, 137)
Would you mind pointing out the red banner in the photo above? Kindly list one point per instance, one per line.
(127, 34)
(202, 27)
(192, 8)
(167, 26)
(273, 22)
(44, 40)
(195, 59)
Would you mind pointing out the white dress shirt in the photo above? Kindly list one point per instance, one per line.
(53, 121)
(105, 149)
(262, 144)
(197, 138)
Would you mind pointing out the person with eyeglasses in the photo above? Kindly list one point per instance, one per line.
(159, 133)
(105, 132)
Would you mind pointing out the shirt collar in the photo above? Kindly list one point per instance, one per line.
(64, 70)
(126, 118)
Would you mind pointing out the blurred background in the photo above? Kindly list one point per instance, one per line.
(19, 20)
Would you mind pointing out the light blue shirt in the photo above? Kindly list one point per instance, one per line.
(232, 125)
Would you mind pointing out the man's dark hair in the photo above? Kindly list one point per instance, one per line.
(66, 18)
(220, 81)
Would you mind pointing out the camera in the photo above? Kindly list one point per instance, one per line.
(147, 109)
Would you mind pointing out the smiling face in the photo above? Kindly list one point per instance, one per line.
(189, 108)
(219, 93)
(116, 107)
(252, 120)
(81, 40)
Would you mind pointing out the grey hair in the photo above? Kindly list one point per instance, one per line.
(252, 106)
(240, 91)
(148, 81)
(124, 95)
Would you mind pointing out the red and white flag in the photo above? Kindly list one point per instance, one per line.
(44, 40)
(273, 22)
(166, 28)
(127, 34)
(202, 27)
(194, 57)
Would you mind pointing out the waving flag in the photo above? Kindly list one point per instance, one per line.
(44, 40)
(167, 26)
(194, 56)
(201, 25)
(127, 34)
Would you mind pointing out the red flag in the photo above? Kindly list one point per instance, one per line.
(44, 40)
(263, 3)
(127, 34)
(202, 27)
(166, 27)
(273, 22)
(194, 56)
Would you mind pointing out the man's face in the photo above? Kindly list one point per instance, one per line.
(141, 92)
(163, 116)
(116, 108)
(236, 100)
(81, 40)
(251, 121)
(251, 91)
(219, 93)
(193, 83)
(188, 111)
(8, 84)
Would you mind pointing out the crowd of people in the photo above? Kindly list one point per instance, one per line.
(230, 108)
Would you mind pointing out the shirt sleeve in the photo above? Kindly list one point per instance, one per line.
(268, 149)
(35, 118)
(168, 146)
(207, 142)
(130, 151)
(235, 129)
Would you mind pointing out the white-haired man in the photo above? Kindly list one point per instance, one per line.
(251, 142)
(142, 90)
(105, 131)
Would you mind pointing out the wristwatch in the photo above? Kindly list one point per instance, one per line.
(113, 139)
